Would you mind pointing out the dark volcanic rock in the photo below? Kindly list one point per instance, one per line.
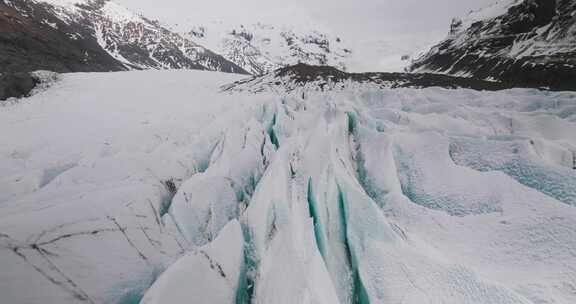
(29, 43)
(324, 78)
(533, 43)
(16, 85)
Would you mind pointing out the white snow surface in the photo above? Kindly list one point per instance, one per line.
(495, 9)
(64, 3)
(119, 14)
(156, 186)
(215, 270)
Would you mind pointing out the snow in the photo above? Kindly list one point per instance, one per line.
(263, 46)
(114, 26)
(64, 3)
(267, 48)
(274, 42)
(159, 187)
(109, 143)
(214, 270)
(545, 42)
(493, 10)
(118, 13)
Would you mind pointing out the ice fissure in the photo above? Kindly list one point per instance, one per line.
(245, 291)
(360, 195)
(314, 208)
(359, 295)
(315, 220)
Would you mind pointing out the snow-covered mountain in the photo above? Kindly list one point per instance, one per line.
(144, 192)
(262, 47)
(100, 35)
(524, 42)
(94, 35)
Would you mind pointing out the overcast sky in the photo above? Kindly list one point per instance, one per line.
(364, 18)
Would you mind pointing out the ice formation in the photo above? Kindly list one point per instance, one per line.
(158, 187)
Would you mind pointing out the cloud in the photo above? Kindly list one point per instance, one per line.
(351, 17)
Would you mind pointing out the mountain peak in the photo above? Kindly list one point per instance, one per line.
(529, 42)
(262, 47)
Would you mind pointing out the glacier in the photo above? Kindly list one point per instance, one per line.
(162, 187)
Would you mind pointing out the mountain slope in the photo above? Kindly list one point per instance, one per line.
(260, 48)
(98, 35)
(523, 42)
(34, 38)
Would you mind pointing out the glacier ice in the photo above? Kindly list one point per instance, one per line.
(190, 194)
(210, 274)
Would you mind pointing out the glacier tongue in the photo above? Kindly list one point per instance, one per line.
(188, 194)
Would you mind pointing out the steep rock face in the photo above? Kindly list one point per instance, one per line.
(33, 37)
(260, 48)
(99, 35)
(530, 42)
